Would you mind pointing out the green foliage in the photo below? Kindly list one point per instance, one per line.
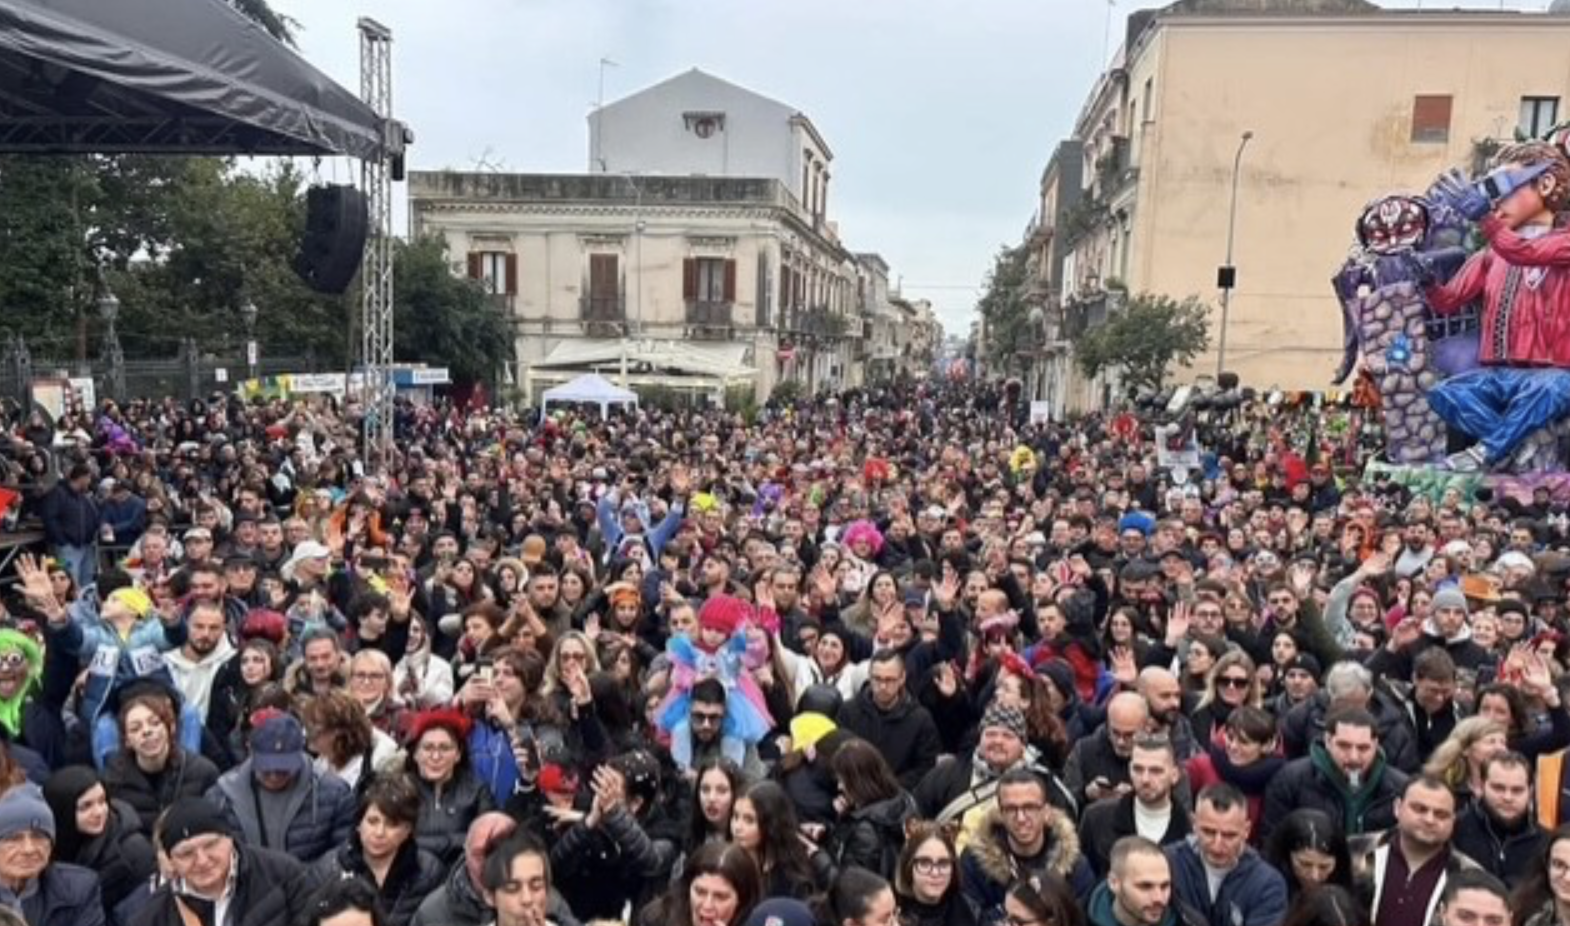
(787, 393)
(1006, 312)
(1144, 338)
(445, 320)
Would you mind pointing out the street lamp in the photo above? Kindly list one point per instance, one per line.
(248, 315)
(1226, 276)
(109, 311)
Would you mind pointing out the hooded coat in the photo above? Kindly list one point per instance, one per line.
(122, 855)
(1306, 724)
(269, 888)
(905, 733)
(988, 867)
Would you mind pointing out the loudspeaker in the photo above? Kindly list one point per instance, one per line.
(337, 220)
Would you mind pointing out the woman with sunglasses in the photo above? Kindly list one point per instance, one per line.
(1232, 683)
(926, 881)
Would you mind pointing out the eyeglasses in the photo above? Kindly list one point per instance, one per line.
(1232, 681)
(932, 866)
(573, 657)
(368, 676)
(705, 719)
(1021, 810)
(437, 749)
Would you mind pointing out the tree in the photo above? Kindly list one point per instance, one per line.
(445, 320)
(1144, 338)
(1003, 307)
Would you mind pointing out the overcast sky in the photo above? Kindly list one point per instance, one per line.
(941, 113)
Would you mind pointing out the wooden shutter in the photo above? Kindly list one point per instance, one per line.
(512, 274)
(1431, 118)
(476, 269)
(689, 279)
(784, 288)
(602, 276)
(730, 281)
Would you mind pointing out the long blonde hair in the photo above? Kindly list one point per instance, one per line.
(1449, 762)
(1225, 661)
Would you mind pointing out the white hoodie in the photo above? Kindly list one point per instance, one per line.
(195, 677)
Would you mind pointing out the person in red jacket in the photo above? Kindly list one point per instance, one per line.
(1247, 758)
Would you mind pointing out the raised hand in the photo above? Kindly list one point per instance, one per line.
(1178, 623)
(947, 591)
(1124, 668)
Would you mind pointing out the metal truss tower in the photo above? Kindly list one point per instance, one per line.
(376, 268)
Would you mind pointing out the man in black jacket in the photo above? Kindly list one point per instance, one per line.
(885, 715)
(1149, 810)
(71, 523)
(1097, 768)
(218, 879)
(47, 894)
(1496, 830)
(1345, 774)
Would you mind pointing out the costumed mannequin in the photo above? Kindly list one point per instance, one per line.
(1523, 278)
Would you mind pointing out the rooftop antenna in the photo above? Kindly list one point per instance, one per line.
(596, 162)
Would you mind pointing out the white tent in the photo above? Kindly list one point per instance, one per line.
(591, 388)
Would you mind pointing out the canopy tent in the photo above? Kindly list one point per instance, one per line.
(590, 388)
(696, 368)
(167, 76)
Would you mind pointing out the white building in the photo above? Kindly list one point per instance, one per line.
(696, 254)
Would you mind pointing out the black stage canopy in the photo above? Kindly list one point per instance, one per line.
(165, 77)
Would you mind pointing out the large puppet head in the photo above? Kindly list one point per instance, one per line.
(1392, 224)
(1537, 173)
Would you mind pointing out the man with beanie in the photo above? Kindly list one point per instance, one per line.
(218, 880)
(277, 798)
(964, 788)
(1447, 627)
(44, 894)
(886, 715)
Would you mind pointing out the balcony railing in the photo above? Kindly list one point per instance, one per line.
(598, 308)
(710, 314)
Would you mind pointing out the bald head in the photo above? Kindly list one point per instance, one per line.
(1162, 694)
(1127, 717)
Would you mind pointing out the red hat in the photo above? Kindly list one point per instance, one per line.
(453, 721)
(557, 779)
(266, 624)
(725, 613)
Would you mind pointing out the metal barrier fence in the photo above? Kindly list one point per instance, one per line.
(193, 373)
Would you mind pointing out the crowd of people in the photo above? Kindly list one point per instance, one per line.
(894, 656)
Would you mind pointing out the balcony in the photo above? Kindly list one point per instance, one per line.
(603, 316)
(711, 321)
(1115, 170)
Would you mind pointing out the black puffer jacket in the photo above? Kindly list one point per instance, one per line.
(125, 861)
(414, 875)
(445, 817)
(187, 775)
(1306, 724)
(870, 837)
(270, 889)
(622, 860)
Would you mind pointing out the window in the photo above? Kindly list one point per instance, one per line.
(497, 271)
(709, 279)
(1430, 119)
(1538, 115)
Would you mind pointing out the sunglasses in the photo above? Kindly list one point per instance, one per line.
(1232, 681)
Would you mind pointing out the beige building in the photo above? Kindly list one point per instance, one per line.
(1344, 102)
(697, 254)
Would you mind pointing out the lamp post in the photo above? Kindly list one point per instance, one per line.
(1226, 276)
(109, 311)
(252, 353)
